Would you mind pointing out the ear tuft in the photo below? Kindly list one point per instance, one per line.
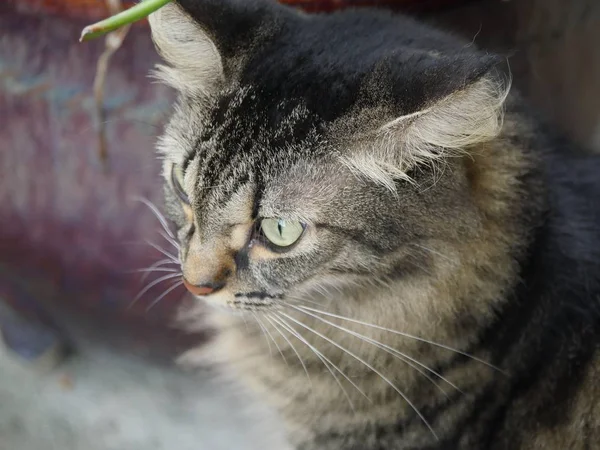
(195, 65)
(450, 127)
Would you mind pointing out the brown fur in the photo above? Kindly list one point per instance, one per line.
(419, 223)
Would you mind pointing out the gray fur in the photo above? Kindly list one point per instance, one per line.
(417, 220)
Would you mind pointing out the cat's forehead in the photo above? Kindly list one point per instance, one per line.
(285, 183)
(250, 146)
(247, 116)
(240, 126)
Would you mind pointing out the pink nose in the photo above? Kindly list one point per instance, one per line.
(202, 289)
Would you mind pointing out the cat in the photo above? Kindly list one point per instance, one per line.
(398, 254)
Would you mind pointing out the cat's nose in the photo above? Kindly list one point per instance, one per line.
(202, 289)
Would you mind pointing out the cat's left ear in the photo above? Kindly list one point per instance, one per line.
(444, 110)
(202, 41)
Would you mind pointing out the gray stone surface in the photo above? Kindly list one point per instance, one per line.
(102, 401)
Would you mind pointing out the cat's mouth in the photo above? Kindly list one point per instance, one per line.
(252, 301)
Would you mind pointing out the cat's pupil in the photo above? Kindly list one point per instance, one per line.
(280, 226)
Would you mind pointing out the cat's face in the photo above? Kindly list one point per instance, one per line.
(304, 157)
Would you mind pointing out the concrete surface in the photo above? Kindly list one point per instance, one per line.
(102, 401)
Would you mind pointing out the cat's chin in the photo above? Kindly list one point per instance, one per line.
(223, 308)
(219, 303)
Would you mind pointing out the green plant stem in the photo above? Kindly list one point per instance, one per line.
(133, 14)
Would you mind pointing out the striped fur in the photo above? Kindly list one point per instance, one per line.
(445, 292)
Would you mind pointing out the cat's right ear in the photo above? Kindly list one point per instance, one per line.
(194, 64)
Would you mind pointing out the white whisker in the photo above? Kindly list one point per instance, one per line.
(308, 301)
(163, 251)
(156, 269)
(157, 264)
(326, 361)
(400, 333)
(394, 352)
(274, 341)
(262, 328)
(164, 294)
(169, 239)
(366, 364)
(272, 322)
(157, 213)
(152, 284)
(322, 290)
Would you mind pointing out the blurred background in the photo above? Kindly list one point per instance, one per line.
(73, 160)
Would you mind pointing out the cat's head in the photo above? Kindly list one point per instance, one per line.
(310, 153)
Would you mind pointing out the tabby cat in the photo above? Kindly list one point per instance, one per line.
(399, 255)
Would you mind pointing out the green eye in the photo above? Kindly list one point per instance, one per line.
(177, 181)
(280, 232)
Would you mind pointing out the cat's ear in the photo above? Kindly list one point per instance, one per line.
(201, 41)
(195, 66)
(465, 109)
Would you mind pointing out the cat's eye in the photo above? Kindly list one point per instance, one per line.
(281, 233)
(177, 182)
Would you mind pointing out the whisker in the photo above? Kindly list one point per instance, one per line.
(157, 264)
(157, 213)
(321, 290)
(164, 294)
(325, 360)
(245, 322)
(309, 301)
(169, 239)
(154, 283)
(155, 269)
(392, 351)
(366, 364)
(274, 341)
(163, 251)
(262, 328)
(410, 336)
(271, 321)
